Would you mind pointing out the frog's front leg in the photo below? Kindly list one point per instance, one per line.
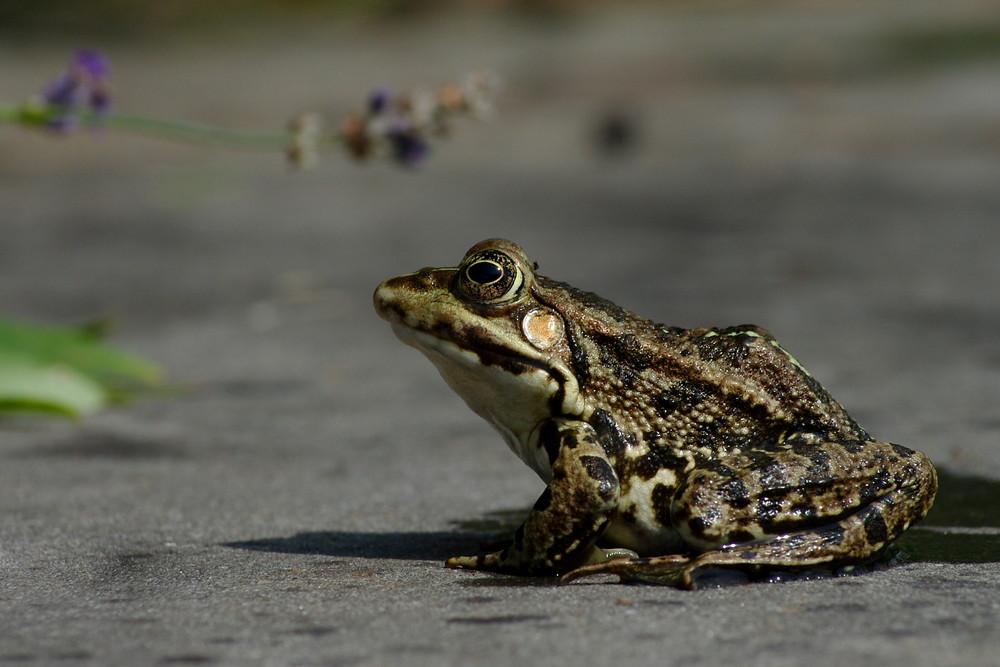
(571, 513)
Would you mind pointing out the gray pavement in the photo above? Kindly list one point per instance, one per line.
(293, 503)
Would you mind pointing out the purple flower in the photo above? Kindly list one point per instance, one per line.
(92, 63)
(378, 101)
(86, 79)
(408, 147)
(63, 92)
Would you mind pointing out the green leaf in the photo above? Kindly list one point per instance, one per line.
(66, 371)
(30, 386)
(79, 349)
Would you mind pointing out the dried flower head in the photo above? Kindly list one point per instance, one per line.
(395, 126)
(303, 149)
(399, 124)
(354, 134)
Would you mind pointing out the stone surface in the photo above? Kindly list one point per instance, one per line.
(294, 501)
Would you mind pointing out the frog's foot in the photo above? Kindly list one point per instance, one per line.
(495, 561)
(674, 570)
(489, 561)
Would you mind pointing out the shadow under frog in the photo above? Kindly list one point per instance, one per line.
(430, 545)
(963, 527)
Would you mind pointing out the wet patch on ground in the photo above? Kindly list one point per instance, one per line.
(962, 527)
(929, 545)
(965, 500)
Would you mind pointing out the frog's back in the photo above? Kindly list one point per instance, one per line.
(692, 389)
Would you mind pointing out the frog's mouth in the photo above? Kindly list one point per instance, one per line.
(437, 323)
(450, 336)
(473, 351)
(545, 381)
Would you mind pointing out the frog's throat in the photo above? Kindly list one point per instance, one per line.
(552, 389)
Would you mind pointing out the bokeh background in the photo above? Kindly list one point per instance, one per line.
(826, 170)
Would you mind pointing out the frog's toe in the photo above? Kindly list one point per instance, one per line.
(480, 562)
(662, 570)
(597, 555)
(596, 563)
(606, 567)
(617, 554)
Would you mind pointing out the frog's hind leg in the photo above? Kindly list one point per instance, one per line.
(789, 507)
(842, 541)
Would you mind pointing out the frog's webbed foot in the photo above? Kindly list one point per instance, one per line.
(570, 515)
(495, 561)
(673, 570)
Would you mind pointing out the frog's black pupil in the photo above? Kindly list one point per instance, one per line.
(484, 273)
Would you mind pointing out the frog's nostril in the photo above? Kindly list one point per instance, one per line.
(425, 274)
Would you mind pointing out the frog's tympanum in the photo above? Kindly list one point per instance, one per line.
(673, 449)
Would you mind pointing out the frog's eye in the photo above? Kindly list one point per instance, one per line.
(490, 277)
(484, 272)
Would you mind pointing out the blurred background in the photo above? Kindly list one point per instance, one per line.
(827, 170)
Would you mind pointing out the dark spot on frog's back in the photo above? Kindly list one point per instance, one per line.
(731, 347)
(876, 485)
(659, 458)
(586, 300)
(819, 467)
(625, 351)
(611, 436)
(680, 396)
(628, 377)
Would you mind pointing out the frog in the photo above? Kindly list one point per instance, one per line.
(666, 452)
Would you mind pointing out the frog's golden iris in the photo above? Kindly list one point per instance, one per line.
(490, 277)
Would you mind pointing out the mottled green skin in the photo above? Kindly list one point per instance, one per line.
(678, 448)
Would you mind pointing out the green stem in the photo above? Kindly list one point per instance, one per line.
(10, 114)
(193, 133)
(168, 130)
